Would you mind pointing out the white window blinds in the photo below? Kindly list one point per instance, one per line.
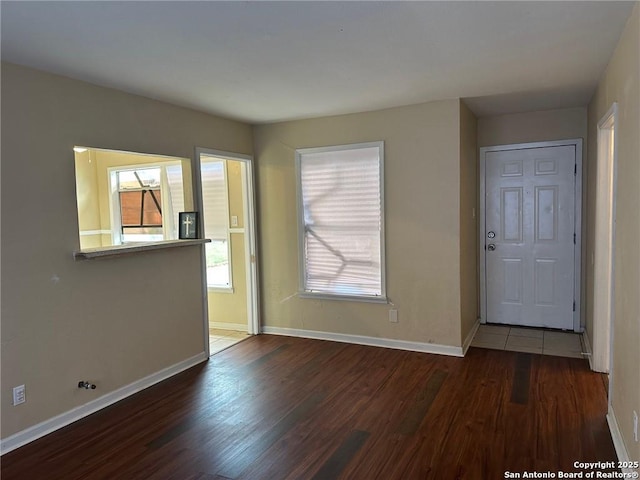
(215, 214)
(214, 198)
(174, 200)
(341, 218)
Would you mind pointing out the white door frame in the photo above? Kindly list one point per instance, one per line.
(250, 238)
(604, 241)
(577, 143)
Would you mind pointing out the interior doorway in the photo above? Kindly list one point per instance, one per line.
(224, 182)
(603, 266)
(530, 210)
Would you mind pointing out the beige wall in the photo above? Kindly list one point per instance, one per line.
(620, 84)
(231, 308)
(561, 124)
(422, 206)
(468, 221)
(111, 321)
(236, 192)
(88, 198)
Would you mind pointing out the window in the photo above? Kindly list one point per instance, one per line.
(341, 221)
(141, 195)
(140, 198)
(215, 213)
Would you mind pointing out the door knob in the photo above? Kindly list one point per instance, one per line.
(491, 247)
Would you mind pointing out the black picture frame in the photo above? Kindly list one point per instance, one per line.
(187, 225)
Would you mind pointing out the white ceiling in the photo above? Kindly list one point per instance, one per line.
(270, 61)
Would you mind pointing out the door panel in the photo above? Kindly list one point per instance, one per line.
(512, 281)
(529, 223)
(546, 214)
(511, 205)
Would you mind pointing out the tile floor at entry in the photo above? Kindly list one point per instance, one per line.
(529, 340)
(220, 339)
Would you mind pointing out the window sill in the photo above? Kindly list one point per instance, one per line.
(118, 250)
(215, 289)
(349, 298)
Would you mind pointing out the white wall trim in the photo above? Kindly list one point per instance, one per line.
(43, 428)
(250, 247)
(603, 259)
(363, 340)
(229, 326)
(587, 346)
(472, 333)
(618, 442)
(84, 233)
(218, 289)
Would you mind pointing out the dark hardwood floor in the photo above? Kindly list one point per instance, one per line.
(289, 408)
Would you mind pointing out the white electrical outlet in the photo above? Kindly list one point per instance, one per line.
(234, 220)
(19, 395)
(635, 425)
(393, 315)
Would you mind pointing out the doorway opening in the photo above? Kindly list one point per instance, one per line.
(603, 266)
(224, 182)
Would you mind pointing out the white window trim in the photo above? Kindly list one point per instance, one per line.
(302, 293)
(114, 204)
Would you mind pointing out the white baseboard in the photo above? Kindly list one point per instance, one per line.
(467, 341)
(587, 347)
(41, 429)
(229, 326)
(363, 340)
(618, 442)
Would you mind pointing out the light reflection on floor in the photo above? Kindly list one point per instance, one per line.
(220, 339)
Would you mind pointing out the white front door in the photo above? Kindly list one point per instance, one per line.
(529, 235)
